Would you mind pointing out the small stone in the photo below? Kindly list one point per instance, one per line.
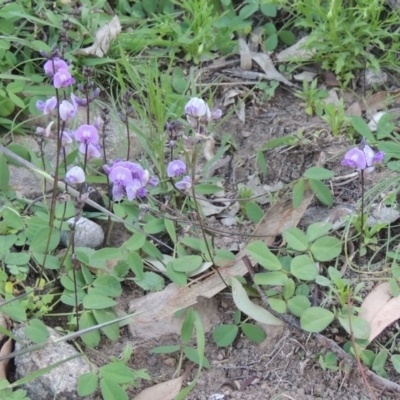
(224, 303)
(152, 361)
(60, 382)
(87, 234)
(220, 357)
(372, 78)
(170, 362)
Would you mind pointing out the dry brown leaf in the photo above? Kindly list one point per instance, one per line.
(163, 391)
(307, 76)
(245, 55)
(279, 217)
(354, 109)
(381, 100)
(332, 98)
(240, 111)
(6, 349)
(330, 79)
(104, 36)
(266, 64)
(380, 309)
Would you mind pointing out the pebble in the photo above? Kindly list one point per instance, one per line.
(220, 357)
(171, 362)
(374, 78)
(87, 234)
(152, 361)
(224, 303)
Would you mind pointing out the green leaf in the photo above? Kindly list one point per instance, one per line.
(135, 264)
(275, 278)
(298, 304)
(361, 127)
(359, 327)
(271, 43)
(326, 248)
(151, 281)
(36, 331)
(193, 355)
(5, 174)
(298, 193)
(111, 331)
(277, 305)
(39, 242)
(17, 258)
(180, 278)
(111, 390)
(262, 254)
(15, 311)
(395, 358)
(12, 219)
(154, 226)
(248, 10)
(136, 242)
(165, 349)
(223, 257)
(87, 384)
(254, 212)
(117, 372)
(288, 289)
(98, 302)
(179, 80)
(296, 239)
(318, 173)
(261, 162)
(380, 361)
(187, 263)
(287, 37)
(108, 285)
(253, 332)
(322, 192)
(318, 229)
(187, 327)
(269, 10)
(170, 227)
(106, 253)
(87, 320)
(224, 335)
(254, 311)
(304, 268)
(316, 319)
(207, 189)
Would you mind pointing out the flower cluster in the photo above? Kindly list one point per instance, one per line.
(362, 157)
(86, 135)
(176, 168)
(129, 179)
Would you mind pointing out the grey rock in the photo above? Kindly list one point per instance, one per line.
(374, 78)
(60, 382)
(87, 234)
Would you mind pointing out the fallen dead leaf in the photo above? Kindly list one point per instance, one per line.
(240, 111)
(245, 56)
(380, 309)
(381, 100)
(266, 64)
(305, 76)
(6, 349)
(296, 52)
(354, 109)
(330, 79)
(332, 98)
(104, 37)
(163, 391)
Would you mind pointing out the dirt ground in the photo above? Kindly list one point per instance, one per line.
(285, 365)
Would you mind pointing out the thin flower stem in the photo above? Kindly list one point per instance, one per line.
(361, 240)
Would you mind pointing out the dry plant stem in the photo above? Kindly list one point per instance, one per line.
(353, 341)
(361, 219)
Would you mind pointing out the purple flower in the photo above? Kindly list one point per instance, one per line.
(197, 108)
(216, 114)
(185, 183)
(78, 102)
(47, 106)
(120, 176)
(362, 157)
(65, 139)
(75, 175)
(63, 78)
(51, 67)
(132, 189)
(118, 192)
(176, 168)
(87, 134)
(92, 150)
(154, 181)
(67, 110)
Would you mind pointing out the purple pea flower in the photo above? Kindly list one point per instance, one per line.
(92, 150)
(65, 139)
(67, 110)
(47, 106)
(75, 175)
(51, 67)
(63, 78)
(78, 102)
(87, 134)
(132, 190)
(197, 108)
(362, 157)
(120, 176)
(216, 114)
(185, 183)
(154, 181)
(176, 168)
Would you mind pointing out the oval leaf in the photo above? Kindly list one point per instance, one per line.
(316, 319)
(326, 248)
